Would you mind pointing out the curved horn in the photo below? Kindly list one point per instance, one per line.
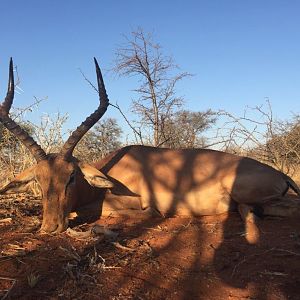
(80, 131)
(36, 150)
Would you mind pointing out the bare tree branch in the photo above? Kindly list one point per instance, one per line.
(156, 99)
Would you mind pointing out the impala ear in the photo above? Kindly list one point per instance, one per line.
(19, 184)
(94, 177)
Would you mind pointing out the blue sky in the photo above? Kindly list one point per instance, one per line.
(239, 51)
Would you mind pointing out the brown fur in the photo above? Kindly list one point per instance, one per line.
(189, 182)
(146, 179)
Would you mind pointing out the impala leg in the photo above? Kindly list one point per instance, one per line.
(246, 212)
(251, 229)
(90, 210)
(133, 213)
(152, 212)
(148, 201)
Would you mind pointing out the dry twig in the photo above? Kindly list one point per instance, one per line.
(11, 287)
(288, 252)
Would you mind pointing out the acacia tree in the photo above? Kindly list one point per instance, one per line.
(156, 99)
(185, 129)
(102, 139)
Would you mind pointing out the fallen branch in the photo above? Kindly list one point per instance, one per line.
(5, 221)
(273, 273)
(97, 231)
(118, 245)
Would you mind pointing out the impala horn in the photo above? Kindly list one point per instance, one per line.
(36, 150)
(90, 121)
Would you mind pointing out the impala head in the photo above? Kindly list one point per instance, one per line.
(59, 175)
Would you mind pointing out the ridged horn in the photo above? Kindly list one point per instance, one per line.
(36, 150)
(90, 121)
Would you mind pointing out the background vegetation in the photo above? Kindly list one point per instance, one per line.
(159, 117)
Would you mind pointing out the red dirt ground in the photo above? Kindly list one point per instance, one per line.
(175, 258)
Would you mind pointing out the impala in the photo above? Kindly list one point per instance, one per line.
(142, 179)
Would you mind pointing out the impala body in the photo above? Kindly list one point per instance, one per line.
(189, 181)
(142, 179)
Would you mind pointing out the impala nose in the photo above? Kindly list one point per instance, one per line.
(61, 227)
(55, 227)
(48, 228)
